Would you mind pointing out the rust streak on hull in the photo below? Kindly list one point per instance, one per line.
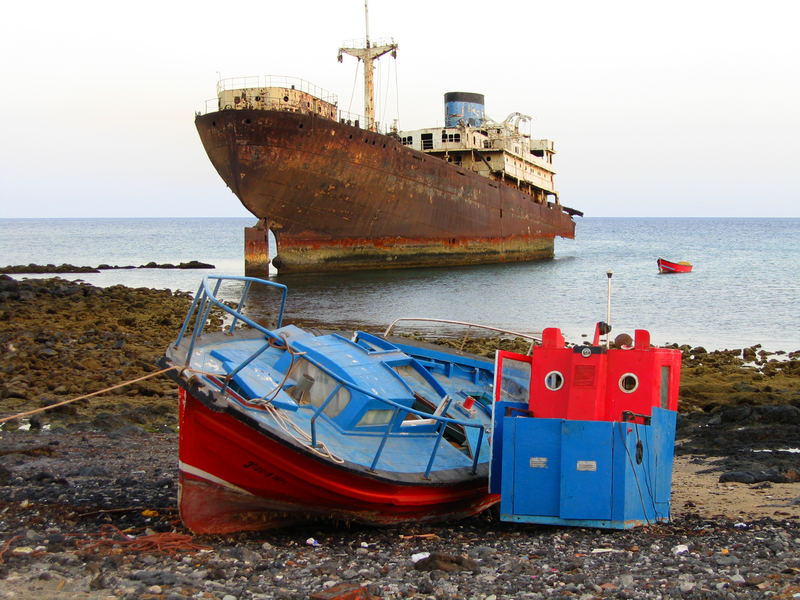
(304, 256)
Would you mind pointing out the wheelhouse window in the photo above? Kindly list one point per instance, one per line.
(375, 417)
(320, 388)
(407, 140)
(554, 381)
(451, 137)
(416, 381)
(664, 386)
(427, 141)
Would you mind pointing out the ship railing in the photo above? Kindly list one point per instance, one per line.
(199, 312)
(267, 81)
(209, 106)
(362, 43)
(346, 117)
(469, 329)
(282, 81)
(356, 120)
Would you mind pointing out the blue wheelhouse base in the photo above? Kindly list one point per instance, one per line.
(607, 474)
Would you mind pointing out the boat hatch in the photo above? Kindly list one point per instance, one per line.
(256, 381)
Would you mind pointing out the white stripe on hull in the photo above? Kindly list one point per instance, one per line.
(209, 477)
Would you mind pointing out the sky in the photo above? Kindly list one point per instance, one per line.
(681, 108)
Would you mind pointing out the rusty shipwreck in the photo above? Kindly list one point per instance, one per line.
(340, 192)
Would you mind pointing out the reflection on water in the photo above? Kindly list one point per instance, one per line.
(723, 303)
(744, 288)
(374, 299)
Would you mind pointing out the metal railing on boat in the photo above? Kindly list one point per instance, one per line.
(534, 340)
(280, 81)
(200, 309)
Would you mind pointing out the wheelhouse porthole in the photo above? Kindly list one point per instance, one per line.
(554, 381)
(628, 383)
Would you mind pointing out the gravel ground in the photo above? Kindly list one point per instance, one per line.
(67, 498)
(88, 492)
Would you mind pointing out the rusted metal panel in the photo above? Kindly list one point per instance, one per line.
(353, 254)
(339, 195)
(256, 251)
(276, 98)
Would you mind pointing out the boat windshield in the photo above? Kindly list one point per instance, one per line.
(417, 382)
(376, 416)
(321, 386)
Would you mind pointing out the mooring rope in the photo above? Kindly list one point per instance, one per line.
(287, 425)
(85, 396)
(283, 421)
(273, 393)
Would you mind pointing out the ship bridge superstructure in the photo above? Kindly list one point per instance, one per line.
(498, 151)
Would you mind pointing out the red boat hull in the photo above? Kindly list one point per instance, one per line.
(665, 266)
(235, 478)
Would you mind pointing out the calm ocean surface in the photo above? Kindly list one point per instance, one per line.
(744, 290)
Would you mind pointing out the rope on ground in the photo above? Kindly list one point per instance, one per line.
(283, 421)
(169, 542)
(8, 545)
(63, 402)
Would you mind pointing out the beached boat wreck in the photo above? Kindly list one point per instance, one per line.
(279, 425)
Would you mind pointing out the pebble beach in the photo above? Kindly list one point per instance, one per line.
(88, 490)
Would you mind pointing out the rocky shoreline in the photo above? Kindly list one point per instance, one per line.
(65, 268)
(88, 490)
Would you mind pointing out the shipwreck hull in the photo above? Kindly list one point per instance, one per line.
(338, 197)
(296, 256)
(235, 478)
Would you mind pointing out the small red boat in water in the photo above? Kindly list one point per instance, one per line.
(665, 266)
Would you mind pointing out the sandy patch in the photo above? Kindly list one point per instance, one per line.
(694, 492)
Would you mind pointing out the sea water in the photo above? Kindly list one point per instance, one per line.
(744, 289)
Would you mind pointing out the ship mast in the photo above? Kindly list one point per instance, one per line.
(368, 54)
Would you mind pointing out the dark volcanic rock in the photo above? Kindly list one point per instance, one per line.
(753, 476)
(193, 264)
(439, 561)
(39, 269)
(66, 268)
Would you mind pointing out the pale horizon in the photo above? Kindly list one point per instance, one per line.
(679, 110)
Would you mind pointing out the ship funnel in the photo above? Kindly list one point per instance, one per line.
(463, 107)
